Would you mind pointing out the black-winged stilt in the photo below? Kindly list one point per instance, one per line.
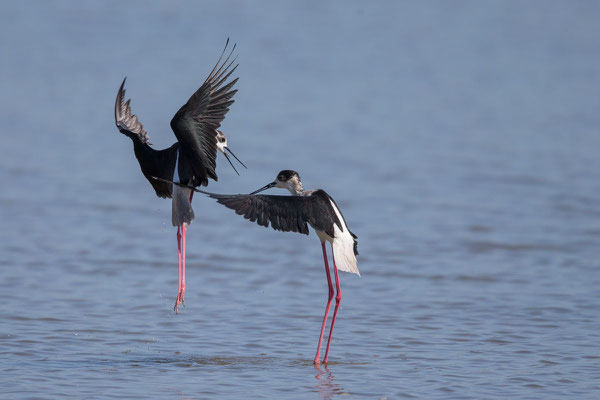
(192, 159)
(293, 214)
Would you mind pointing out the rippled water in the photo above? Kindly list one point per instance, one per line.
(460, 140)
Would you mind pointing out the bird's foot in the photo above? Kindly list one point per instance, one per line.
(180, 299)
(181, 296)
(317, 361)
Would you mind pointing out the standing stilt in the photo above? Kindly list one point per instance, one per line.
(294, 214)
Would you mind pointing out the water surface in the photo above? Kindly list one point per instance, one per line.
(459, 139)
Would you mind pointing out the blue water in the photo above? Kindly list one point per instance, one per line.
(460, 139)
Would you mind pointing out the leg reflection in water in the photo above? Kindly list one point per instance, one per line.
(326, 385)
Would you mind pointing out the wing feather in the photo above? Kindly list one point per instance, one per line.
(283, 213)
(196, 122)
(128, 123)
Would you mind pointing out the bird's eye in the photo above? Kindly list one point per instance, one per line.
(222, 140)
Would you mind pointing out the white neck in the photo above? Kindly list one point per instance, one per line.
(295, 187)
(296, 191)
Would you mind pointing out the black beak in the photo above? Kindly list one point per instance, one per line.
(234, 156)
(270, 185)
(230, 163)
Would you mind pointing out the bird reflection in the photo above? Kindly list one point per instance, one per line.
(326, 385)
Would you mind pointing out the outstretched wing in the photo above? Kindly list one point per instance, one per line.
(284, 213)
(127, 122)
(196, 122)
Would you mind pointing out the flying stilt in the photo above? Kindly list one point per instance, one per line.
(292, 214)
(192, 159)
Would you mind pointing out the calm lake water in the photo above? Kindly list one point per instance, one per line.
(460, 139)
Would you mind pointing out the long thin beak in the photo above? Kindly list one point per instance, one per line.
(240, 161)
(270, 185)
(230, 163)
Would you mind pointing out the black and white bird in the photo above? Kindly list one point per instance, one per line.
(192, 159)
(293, 214)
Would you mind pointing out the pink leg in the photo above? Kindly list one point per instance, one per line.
(317, 357)
(183, 229)
(182, 293)
(338, 299)
(181, 258)
(179, 263)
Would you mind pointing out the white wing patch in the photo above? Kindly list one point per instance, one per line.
(343, 246)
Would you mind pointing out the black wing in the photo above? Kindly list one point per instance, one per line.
(152, 162)
(127, 122)
(196, 122)
(285, 213)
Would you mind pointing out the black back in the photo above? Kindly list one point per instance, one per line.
(159, 163)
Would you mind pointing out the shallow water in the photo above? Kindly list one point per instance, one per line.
(459, 139)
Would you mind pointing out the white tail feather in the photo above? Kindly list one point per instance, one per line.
(343, 253)
(343, 246)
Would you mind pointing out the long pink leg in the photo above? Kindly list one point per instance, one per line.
(179, 263)
(183, 229)
(182, 293)
(317, 357)
(338, 299)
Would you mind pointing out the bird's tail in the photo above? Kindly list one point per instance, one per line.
(345, 255)
(182, 211)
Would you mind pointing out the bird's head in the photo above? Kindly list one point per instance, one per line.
(222, 146)
(286, 179)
